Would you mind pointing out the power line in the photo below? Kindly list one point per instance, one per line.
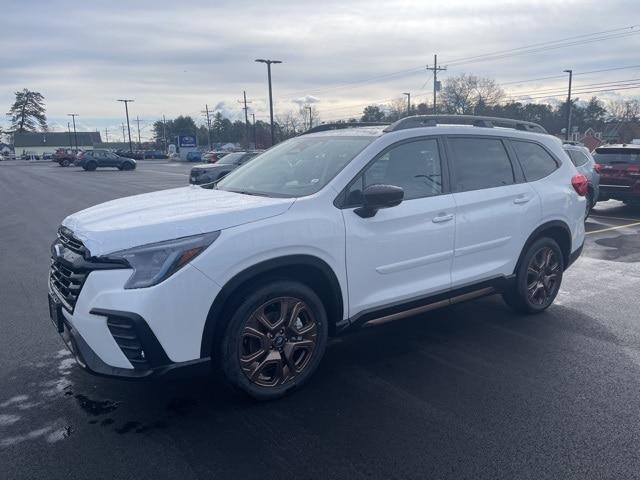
(575, 74)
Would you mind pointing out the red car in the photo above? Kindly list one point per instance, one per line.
(619, 172)
(64, 157)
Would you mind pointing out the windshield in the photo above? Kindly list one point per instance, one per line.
(617, 155)
(295, 168)
(230, 159)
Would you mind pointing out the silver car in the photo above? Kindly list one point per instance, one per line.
(586, 165)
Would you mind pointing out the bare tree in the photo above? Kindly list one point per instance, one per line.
(469, 94)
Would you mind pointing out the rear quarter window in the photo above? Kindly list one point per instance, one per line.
(577, 158)
(536, 162)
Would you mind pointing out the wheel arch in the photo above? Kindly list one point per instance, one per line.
(558, 231)
(308, 269)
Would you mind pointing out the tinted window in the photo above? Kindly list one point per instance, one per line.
(535, 160)
(577, 158)
(480, 163)
(414, 166)
(617, 155)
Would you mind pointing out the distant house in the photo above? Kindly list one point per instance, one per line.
(591, 139)
(4, 148)
(48, 142)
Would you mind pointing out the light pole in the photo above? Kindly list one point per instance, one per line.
(310, 118)
(269, 62)
(255, 137)
(566, 135)
(408, 103)
(75, 135)
(126, 109)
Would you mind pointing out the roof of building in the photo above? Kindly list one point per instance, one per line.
(54, 139)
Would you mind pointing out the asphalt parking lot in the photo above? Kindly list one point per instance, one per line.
(471, 391)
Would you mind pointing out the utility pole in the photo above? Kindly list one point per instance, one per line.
(206, 112)
(126, 109)
(124, 136)
(69, 130)
(164, 133)
(138, 122)
(408, 102)
(255, 137)
(568, 132)
(106, 135)
(246, 116)
(75, 135)
(436, 85)
(308, 107)
(269, 62)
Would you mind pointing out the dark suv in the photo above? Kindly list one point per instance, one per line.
(619, 172)
(92, 159)
(201, 174)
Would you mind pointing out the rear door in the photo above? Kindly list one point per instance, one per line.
(496, 208)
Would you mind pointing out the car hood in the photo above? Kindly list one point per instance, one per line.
(167, 214)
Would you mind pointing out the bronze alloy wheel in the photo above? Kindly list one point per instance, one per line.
(277, 341)
(543, 274)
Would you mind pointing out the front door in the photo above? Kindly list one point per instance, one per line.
(403, 252)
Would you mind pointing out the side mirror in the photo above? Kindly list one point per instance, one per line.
(376, 197)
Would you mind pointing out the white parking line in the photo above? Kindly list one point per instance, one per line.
(615, 218)
(614, 228)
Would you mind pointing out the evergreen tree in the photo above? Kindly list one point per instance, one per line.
(28, 112)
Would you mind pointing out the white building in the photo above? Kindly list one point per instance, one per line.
(48, 142)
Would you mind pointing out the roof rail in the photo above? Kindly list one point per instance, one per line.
(340, 125)
(417, 121)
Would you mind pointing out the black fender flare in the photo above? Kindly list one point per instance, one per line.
(211, 328)
(553, 224)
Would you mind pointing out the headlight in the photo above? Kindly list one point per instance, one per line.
(156, 262)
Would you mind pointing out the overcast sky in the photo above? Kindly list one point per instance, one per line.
(173, 57)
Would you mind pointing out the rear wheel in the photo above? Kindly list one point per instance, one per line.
(275, 339)
(90, 166)
(589, 204)
(538, 278)
(65, 163)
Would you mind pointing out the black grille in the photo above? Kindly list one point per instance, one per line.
(125, 334)
(66, 283)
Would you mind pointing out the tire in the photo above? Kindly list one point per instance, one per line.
(268, 358)
(127, 166)
(535, 289)
(90, 166)
(65, 163)
(589, 204)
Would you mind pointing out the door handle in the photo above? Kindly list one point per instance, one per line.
(443, 218)
(521, 199)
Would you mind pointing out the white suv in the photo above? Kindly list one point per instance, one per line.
(323, 232)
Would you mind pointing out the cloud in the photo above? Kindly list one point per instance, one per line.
(172, 61)
(306, 100)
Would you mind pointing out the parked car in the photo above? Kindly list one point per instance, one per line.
(155, 154)
(213, 156)
(320, 234)
(201, 174)
(194, 157)
(587, 166)
(92, 159)
(64, 156)
(619, 172)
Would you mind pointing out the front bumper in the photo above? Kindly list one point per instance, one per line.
(158, 364)
(167, 319)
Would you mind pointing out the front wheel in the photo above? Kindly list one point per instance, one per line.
(538, 278)
(65, 163)
(275, 339)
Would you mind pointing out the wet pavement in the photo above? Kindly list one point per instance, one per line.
(471, 391)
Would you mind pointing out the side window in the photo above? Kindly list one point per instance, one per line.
(577, 158)
(535, 160)
(480, 163)
(414, 166)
